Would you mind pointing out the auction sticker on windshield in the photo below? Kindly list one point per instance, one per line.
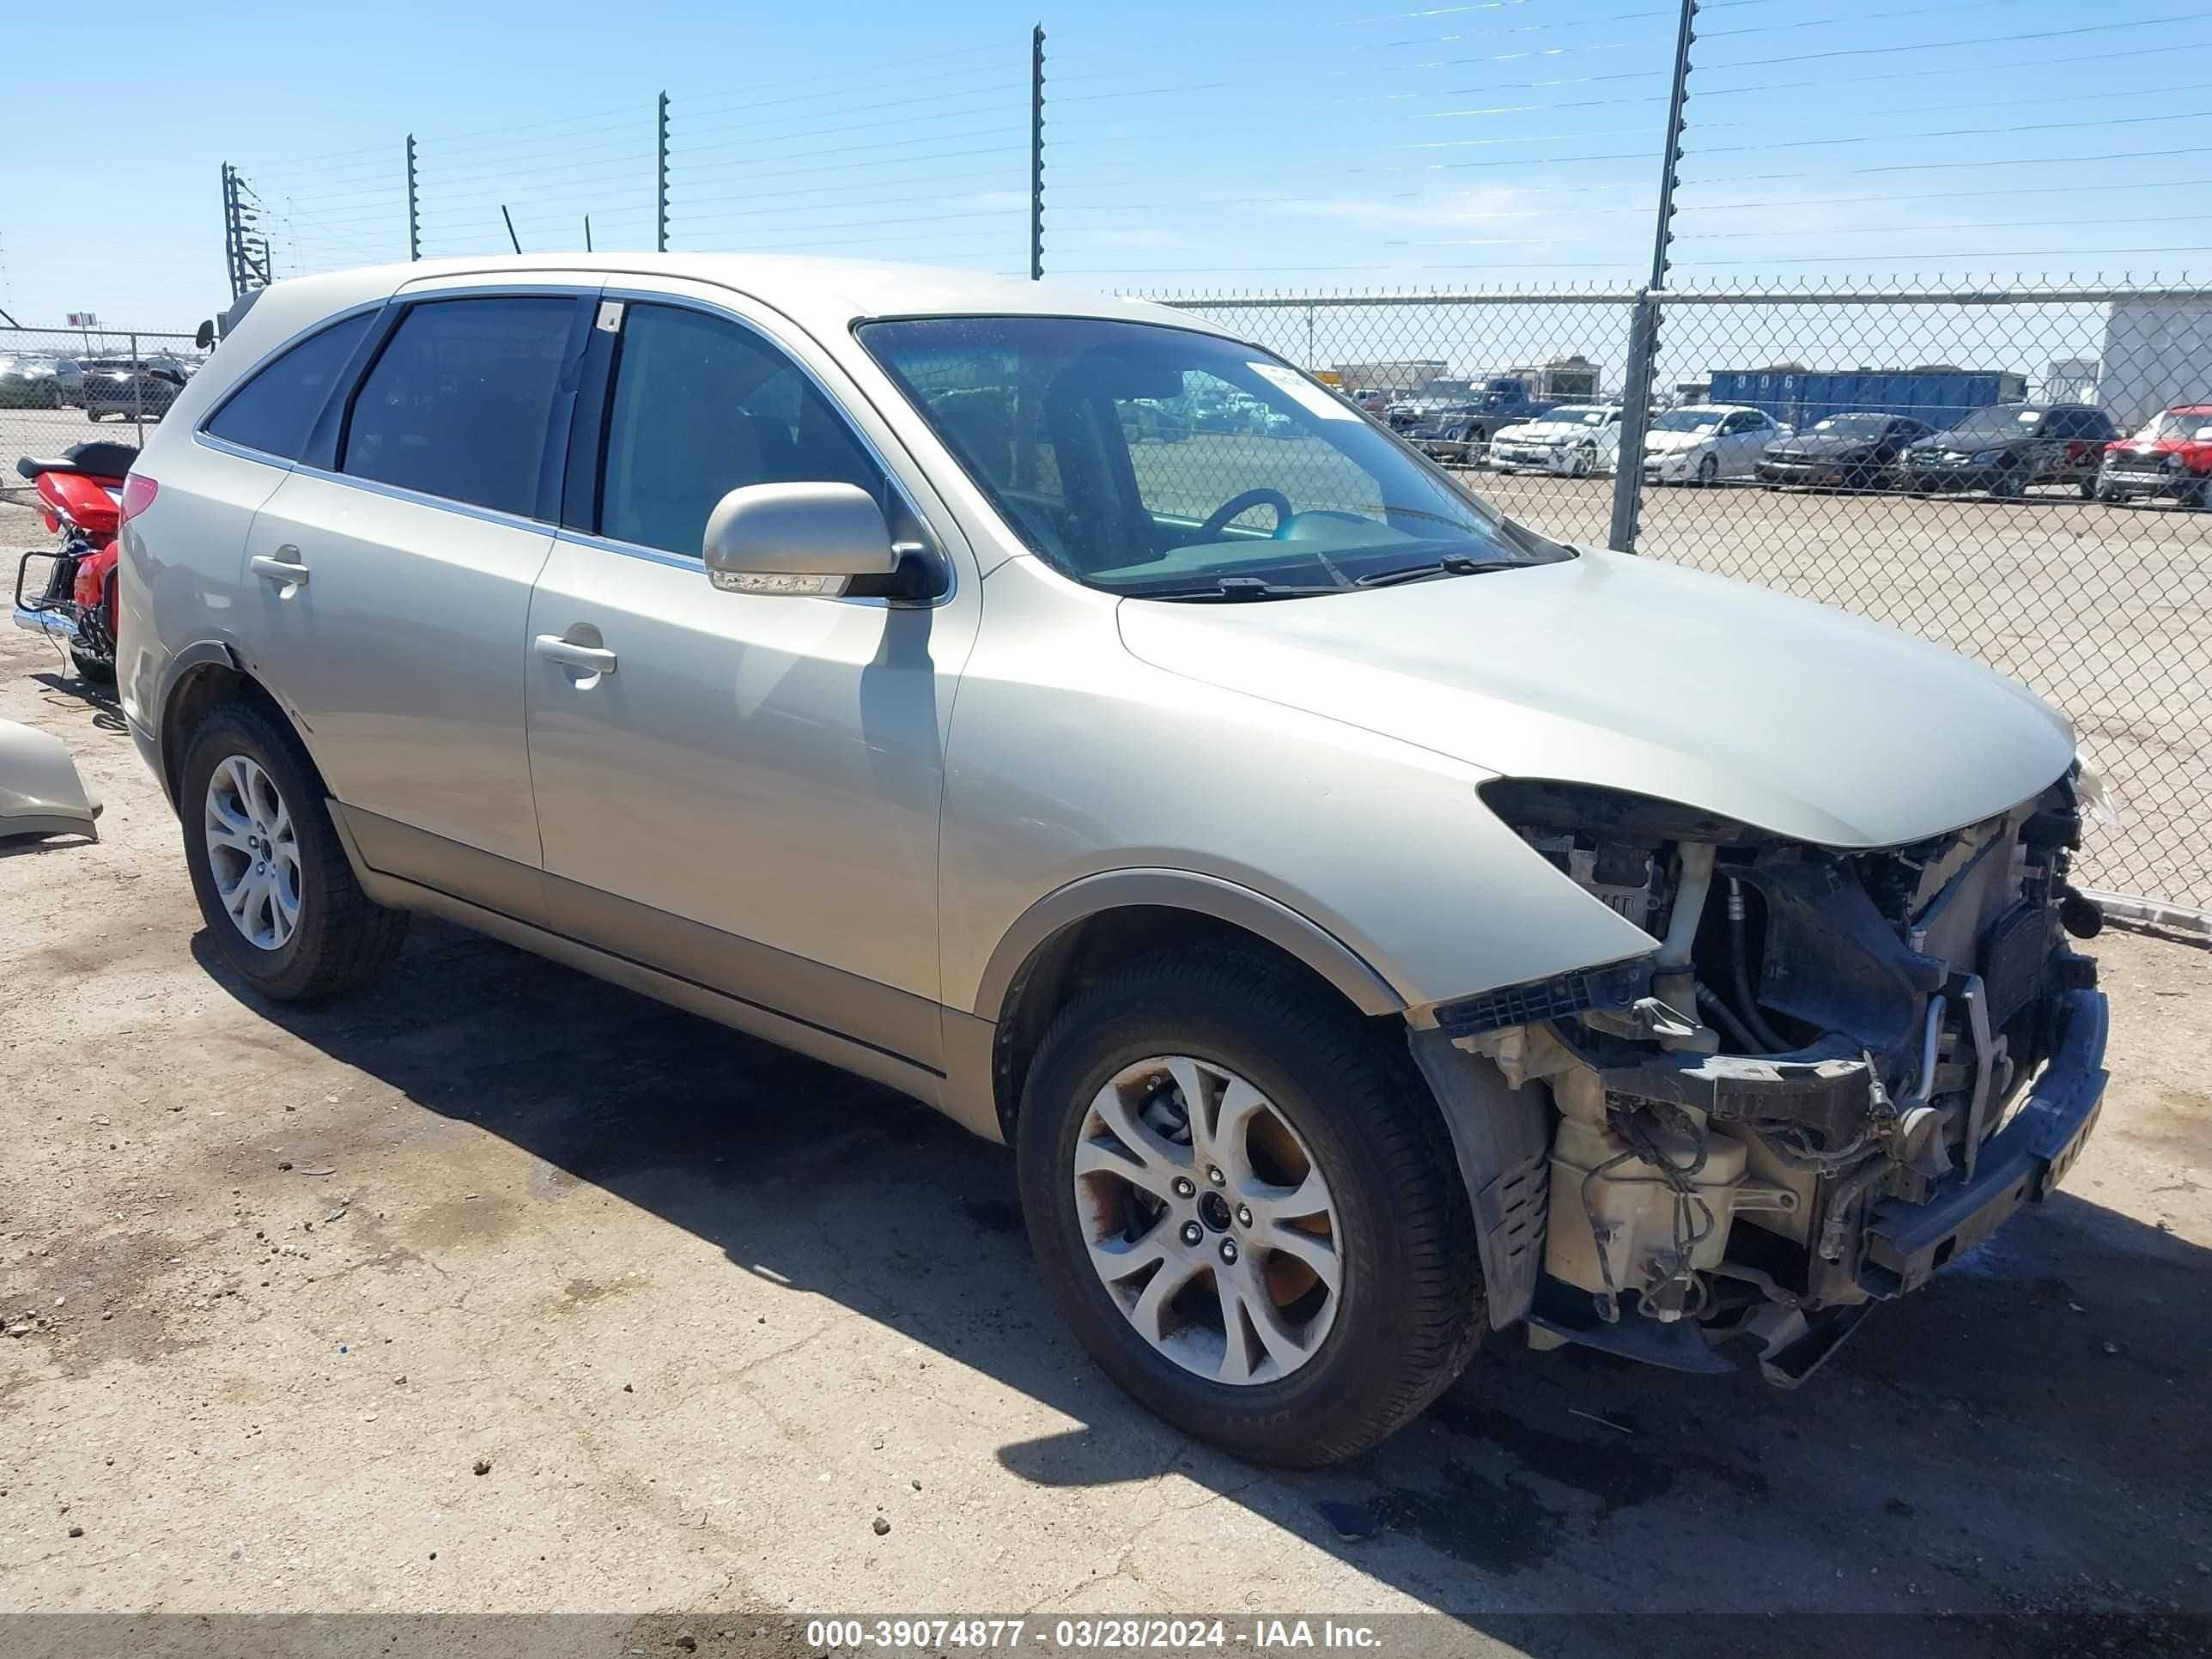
(1319, 402)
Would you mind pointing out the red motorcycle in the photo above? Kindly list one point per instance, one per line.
(72, 599)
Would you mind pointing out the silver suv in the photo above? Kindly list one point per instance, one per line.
(1372, 923)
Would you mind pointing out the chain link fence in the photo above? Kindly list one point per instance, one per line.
(2022, 474)
(64, 386)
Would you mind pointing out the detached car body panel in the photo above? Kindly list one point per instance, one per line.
(854, 654)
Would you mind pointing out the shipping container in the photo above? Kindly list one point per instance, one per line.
(1800, 396)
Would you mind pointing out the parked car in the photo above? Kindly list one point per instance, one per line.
(1374, 924)
(1576, 439)
(1156, 420)
(28, 383)
(68, 378)
(2171, 456)
(2006, 448)
(1408, 414)
(1853, 451)
(128, 391)
(1704, 443)
(1461, 429)
(1372, 401)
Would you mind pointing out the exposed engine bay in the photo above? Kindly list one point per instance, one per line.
(1838, 1069)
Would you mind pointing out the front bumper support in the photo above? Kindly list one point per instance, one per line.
(2019, 1165)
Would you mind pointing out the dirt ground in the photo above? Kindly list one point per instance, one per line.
(500, 1289)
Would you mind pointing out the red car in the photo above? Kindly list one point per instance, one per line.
(2171, 456)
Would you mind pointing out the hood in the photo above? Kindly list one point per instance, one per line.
(1824, 444)
(1632, 674)
(1956, 444)
(1666, 443)
(1545, 432)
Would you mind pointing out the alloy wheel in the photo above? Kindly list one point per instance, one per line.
(1207, 1218)
(254, 853)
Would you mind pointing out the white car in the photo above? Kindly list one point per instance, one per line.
(1576, 439)
(1707, 442)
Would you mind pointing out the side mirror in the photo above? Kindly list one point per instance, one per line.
(797, 539)
(204, 336)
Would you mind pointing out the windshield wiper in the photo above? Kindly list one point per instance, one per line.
(1233, 588)
(1456, 564)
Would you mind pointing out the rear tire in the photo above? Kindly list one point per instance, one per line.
(337, 937)
(1405, 1312)
(97, 670)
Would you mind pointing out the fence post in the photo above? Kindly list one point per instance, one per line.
(414, 206)
(230, 228)
(1643, 339)
(137, 393)
(661, 181)
(1037, 153)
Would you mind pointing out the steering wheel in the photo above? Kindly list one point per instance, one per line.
(1217, 520)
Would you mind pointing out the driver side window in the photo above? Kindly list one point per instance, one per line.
(701, 406)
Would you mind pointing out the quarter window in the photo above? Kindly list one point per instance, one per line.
(276, 408)
(703, 406)
(460, 400)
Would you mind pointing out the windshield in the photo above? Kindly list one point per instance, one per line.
(1854, 426)
(1998, 424)
(2193, 425)
(1690, 420)
(1151, 461)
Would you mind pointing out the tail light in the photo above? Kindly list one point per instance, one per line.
(138, 493)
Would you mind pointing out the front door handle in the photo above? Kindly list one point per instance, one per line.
(283, 569)
(584, 659)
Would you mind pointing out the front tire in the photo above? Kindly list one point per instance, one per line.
(1285, 1267)
(273, 883)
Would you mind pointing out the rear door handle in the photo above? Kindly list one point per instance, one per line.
(283, 569)
(584, 659)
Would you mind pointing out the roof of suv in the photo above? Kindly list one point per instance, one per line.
(825, 295)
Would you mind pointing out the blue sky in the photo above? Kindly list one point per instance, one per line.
(1298, 144)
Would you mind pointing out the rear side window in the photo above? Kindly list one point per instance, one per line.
(460, 399)
(275, 410)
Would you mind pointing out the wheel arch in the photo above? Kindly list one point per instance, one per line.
(200, 677)
(1090, 926)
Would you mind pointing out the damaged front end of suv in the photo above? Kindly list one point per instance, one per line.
(1838, 1069)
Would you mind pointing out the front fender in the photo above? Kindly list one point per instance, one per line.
(1184, 889)
(1076, 773)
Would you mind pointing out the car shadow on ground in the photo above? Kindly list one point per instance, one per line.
(2026, 1436)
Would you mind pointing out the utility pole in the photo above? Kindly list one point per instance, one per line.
(1037, 153)
(1643, 335)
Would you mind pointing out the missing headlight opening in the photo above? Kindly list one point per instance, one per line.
(1835, 1069)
